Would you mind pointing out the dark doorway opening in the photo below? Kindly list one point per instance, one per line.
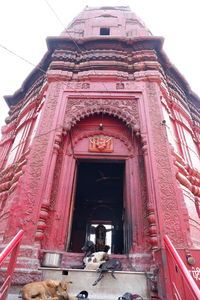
(98, 204)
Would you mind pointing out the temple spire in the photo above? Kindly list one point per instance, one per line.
(117, 21)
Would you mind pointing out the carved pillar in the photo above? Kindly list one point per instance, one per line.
(163, 194)
(52, 151)
(151, 213)
(58, 226)
(164, 197)
(168, 196)
(44, 212)
(28, 201)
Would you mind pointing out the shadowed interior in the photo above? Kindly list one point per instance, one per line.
(98, 200)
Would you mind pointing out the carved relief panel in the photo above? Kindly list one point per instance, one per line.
(125, 109)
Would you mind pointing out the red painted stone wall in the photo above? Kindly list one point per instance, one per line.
(148, 112)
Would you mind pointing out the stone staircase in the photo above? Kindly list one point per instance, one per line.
(107, 289)
(12, 296)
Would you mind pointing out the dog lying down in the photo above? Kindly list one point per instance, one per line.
(47, 290)
(112, 265)
(95, 260)
(91, 258)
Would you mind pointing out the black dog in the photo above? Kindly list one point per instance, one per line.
(112, 265)
(88, 249)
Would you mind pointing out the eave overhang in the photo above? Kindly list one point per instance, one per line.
(54, 43)
(40, 69)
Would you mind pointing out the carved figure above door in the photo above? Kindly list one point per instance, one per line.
(101, 143)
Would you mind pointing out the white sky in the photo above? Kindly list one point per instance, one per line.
(25, 24)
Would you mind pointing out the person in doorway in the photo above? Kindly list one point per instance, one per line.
(100, 237)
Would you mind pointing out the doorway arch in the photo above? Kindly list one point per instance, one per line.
(126, 151)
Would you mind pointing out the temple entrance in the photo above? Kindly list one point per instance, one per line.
(98, 208)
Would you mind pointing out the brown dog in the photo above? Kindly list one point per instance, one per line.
(47, 290)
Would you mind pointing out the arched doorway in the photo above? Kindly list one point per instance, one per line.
(106, 184)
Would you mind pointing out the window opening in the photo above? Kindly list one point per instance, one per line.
(104, 31)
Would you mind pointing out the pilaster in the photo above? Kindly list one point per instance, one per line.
(27, 207)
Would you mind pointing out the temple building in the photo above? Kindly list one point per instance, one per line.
(102, 143)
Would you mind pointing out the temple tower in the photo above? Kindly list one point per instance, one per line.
(104, 132)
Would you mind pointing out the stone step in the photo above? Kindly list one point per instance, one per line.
(107, 289)
(13, 297)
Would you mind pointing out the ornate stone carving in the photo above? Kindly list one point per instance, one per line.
(41, 225)
(110, 133)
(100, 143)
(56, 179)
(77, 85)
(10, 176)
(26, 101)
(39, 152)
(166, 184)
(126, 110)
(120, 86)
(58, 139)
(144, 143)
(152, 226)
(31, 183)
(188, 177)
(85, 85)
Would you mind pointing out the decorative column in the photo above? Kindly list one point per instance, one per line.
(33, 189)
(153, 229)
(163, 193)
(44, 212)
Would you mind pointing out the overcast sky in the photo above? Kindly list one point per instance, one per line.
(25, 24)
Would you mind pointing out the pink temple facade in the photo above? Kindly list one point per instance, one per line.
(107, 134)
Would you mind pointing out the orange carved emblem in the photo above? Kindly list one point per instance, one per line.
(101, 144)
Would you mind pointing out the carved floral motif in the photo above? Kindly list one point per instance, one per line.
(166, 184)
(42, 143)
(30, 187)
(127, 110)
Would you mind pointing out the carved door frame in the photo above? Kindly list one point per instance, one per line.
(130, 202)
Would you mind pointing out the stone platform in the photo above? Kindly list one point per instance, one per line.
(107, 289)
